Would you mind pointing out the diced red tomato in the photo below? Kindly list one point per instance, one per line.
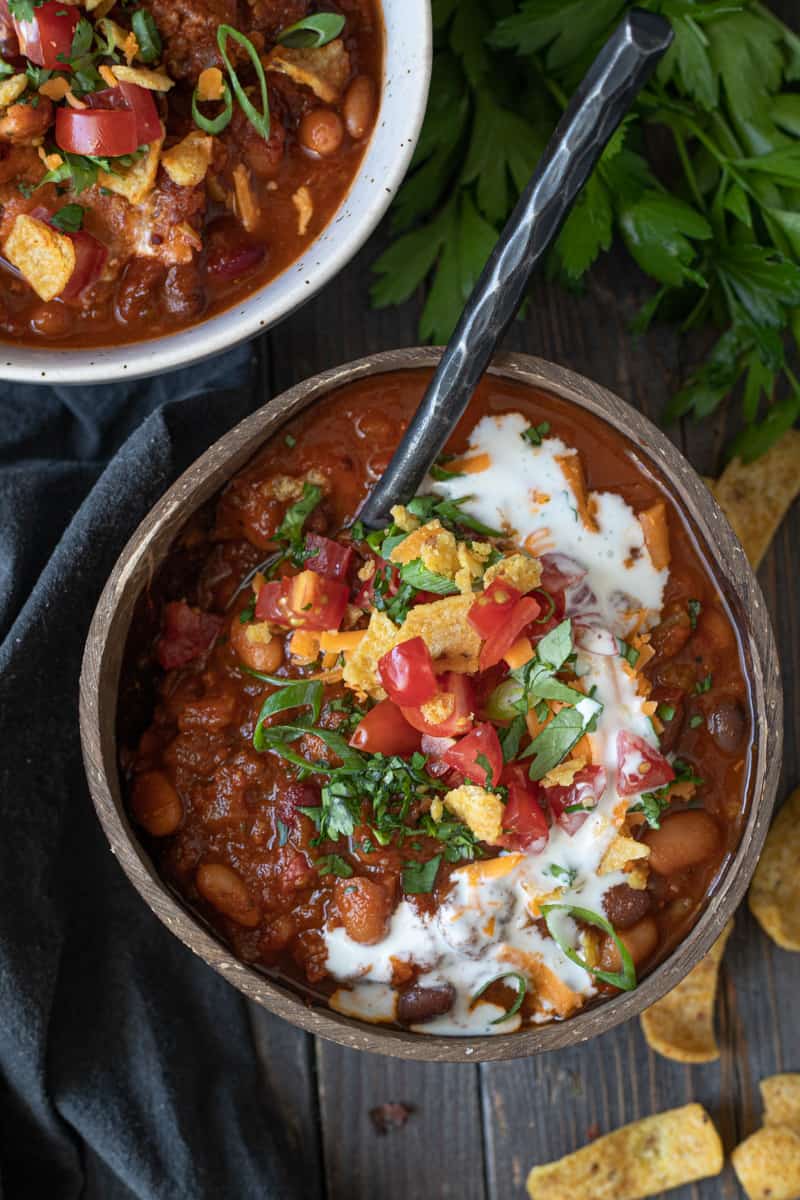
(640, 768)
(90, 258)
(130, 97)
(493, 607)
(304, 601)
(524, 822)
(435, 749)
(460, 719)
(406, 673)
(327, 557)
(523, 612)
(384, 730)
(365, 596)
(586, 791)
(186, 634)
(96, 131)
(481, 744)
(47, 39)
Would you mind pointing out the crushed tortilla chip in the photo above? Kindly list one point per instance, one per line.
(437, 710)
(56, 89)
(622, 851)
(187, 162)
(768, 1164)
(136, 181)
(756, 496)
(443, 626)
(471, 566)
(433, 545)
(563, 774)
(781, 1096)
(11, 89)
(774, 896)
(404, 520)
(519, 570)
(210, 84)
(246, 207)
(45, 257)
(361, 668)
(639, 1160)
(154, 81)
(324, 69)
(481, 810)
(304, 207)
(681, 1025)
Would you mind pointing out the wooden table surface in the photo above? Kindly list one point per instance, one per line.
(475, 1131)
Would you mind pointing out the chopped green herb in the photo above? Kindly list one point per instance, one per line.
(441, 472)
(367, 846)
(294, 695)
(313, 31)
(536, 433)
(522, 987)
(458, 839)
(628, 652)
(416, 575)
(334, 864)
(694, 608)
(291, 527)
(486, 767)
(290, 441)
(247, 613)
(552, 744)
(68, 219)
(450, 513)
(418, 877)
(283, 832)
(705, 684)
(358, 531)
(696, 721)
(666, 712)
(147, 35)
(22, 10)
(511, 737)
(653, 805)
(568, 875)
(624, 979)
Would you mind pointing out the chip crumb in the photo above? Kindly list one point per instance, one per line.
(188, 161)
(781, 1097)
(11, 89)
(478, 808)
(774, 896)
(154, 81)
(137, 181)
(767, 1164)
(680, 1026)
(45, 257)
(520, 570)
(304, 207)
(638, 1160)
(324, 69)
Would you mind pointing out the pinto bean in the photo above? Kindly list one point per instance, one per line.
(23, 125)
(259, 655)
(674, 631)
(684, 840)
(364, 908)
(640, 941)
(51, 320)
(624, 905)
(222, 887)
(420, 1004)
(727, 724)
(359, 106)
(155, 804)
(321, 131)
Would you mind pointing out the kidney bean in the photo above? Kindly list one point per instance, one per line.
(359, 106)
(139, 290)
(321, 131)
(184, 294)
(155, 803)
(229, 251)
(640, 941)
(420, 1004)
(51, 320)
(684, 840)
(364, 908)
(264, 656)
(222, 887)
(624, 905)
(674, 631)
(727, 724)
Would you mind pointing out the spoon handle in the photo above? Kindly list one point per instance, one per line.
(622, 67)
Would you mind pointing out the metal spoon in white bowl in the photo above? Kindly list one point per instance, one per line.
(620, 70)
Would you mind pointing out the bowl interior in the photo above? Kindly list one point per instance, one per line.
(406, 76)
(152, 541)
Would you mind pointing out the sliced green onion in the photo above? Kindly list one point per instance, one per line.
(502, 703)
(545, 616)
(259, 120)
(218, 123)
(313, 31)
(624, 979)
(147, 35)
(522, 987)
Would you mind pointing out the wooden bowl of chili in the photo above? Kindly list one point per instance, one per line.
(732, 726)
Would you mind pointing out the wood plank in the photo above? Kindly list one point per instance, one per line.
(437, 1153)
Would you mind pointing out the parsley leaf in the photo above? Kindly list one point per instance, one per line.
(291, 527)
(419, 877)
(68, 219)
(552, 744)
(536, 433)
(334, 864)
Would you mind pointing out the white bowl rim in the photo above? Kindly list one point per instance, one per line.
(408, 53)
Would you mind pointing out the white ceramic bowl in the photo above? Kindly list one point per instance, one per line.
(406, 77)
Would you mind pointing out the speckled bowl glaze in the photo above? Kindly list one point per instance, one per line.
(149, 546)
(406, 78)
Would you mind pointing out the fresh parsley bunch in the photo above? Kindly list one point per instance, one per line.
(714, 221)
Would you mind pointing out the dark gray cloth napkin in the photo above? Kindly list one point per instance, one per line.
(127, 1068)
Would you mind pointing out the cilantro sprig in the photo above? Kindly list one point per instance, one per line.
(713, 222)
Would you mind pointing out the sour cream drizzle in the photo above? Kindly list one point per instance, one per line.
(485, 926)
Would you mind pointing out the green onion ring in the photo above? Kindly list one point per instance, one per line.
(259, 120)
(547, 616)
(312, 32)
(522, 987)
(625, 979)
(214, 124)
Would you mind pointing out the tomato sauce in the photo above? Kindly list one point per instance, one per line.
(224, 820)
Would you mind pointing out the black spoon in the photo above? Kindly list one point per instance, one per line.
(620, 70)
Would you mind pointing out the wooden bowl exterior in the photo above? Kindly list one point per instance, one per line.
(150, 544)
